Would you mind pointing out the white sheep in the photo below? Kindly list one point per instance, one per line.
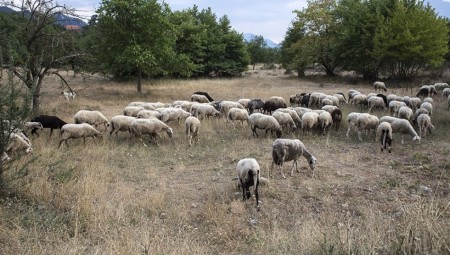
(204, 110)
(244, 102)
(404, 127)
(427, 106)
(150, 127)
(441, 86)
(418, 112)
(174, 114)
(145, 114)
(120, 123)
(446, 92)
(75, 131)
(179, 103)
(145, 105)
(17, 143)
(351, 120)
(285, 120)
(225, 106)
(27, 126)
(325, 121)
(94, 118)
(405, 112)
(359, 99)
(384, 133)
(266, 122)
(366, 122)
(341, 98)
(314, 98)
(391, 97)
(187, 106)
(424, 123)
(132, 110)
(351, 93)
(249, 174)
(394, 106)
(294, 115)
(285, 150)
(379, 85)
(329, 108)
(327, 101)
(237, 114)
(192, 126)
(415, 103)
(199, 98)
(309, 120)
(429, 100)
(376, 102)
(301, 110)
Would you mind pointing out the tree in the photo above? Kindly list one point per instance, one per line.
(135, 38)
(40, 44)
(257, 50)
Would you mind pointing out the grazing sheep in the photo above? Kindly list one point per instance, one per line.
(406, 100)
(147, 105)
(178, 103)
(266, 122)
(341, 98)
(192, 126)
(304, 101)
(385, 100)
(285, 150)
(314, 99)
(384, 133)
(309, 120)
(424, 123)
(405, 113)
(394, 106)
(174, 114)
(30, 125)
(255, 104)
(329, 108)
(428, 99)
(326, 101)
(78, 130)
(249, 174)
(273, 103)
(187, 106)
(225, 106)
(351, 120)
(418, 112)
(294, 99)
(244, 102)
(120, 123)
(427, 106)
(325, 121)
(145, 114)
(94, 118)
(360, 100)
(446, 92)
(426, 91)
(150, 127)
(404, 127)
(301, 110)
(48, 121)
(205, 110)
(237, 114)
(336, 116)
(415, 103)
(376, 102)
(285, 120)
(132, 110)
(17, 144)
(389, 119)
(379, 85)
(199, 98)
(351, 93)
(391, 97)
(366, 122)
(297, 120)
(441, 86)
(204, 94)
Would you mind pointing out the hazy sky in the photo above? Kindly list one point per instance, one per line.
(269, 18)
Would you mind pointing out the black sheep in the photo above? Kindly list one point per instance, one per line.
(336, 115)
(271, 105)
(424, 92)
(204, 94)
(48, 121)
(255, 104)
(384, 99)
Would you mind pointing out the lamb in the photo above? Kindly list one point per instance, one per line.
(379, 85)
(94, 118)
(255, 104)
(309, 120)
(405, 113)
(204, 94)
(192, 126)
(326, 102)
(273, 103)
(78, 130)
(132, 110)
(404, 127)
(325, 120)
(285, 120)
(120, 123)
(145, 114)
(427, 106)
(150, 127)
(394, 106)
(174, 114)
(261, 121)
(285, 150)
(366, 122)
(446, 92)
(205, 110)
(48, 121)
(424, 123)
(199, 98)
(249, 174)
(237, 114)
(376, 102)
(17, 144)
(384, 133)
(336, 116)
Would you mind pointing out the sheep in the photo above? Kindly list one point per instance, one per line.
(351, 93)
(371, 95)
(147, 105)
(336, 116)
(376, 102)
(149, 127)
(29, 125)
(174, 114)
(384, 133)
(405, 113)
(285, 120)
(366, 122)
(4, 158)
(192, 126)
(48, 121)
(132, 110)
(69, 95)
(427, 106)
(249, 174)
(327, 102)
(424, 123)
(199, 98)
(297, 120)
(404, 127)
(385, 100)
(325, 120)
(441, 86)
(389, 119)
(309, 120)
(446, 92)
(360, 100)
(426, 91)
(261, 121)
(237, 114)
(178, 103)
(120, 123)
(314, 98)
(415, 103)
(428, 99)
(351, 120)
(285, 150)
(17, 144)
(204, 94)
(78, 130)
(301, 110)
(145, 114)
(244, 102)
(329, 108)
(379, 85)
(294, 99)
(255, 104)
(391, 97)
(205, 110)
(273, 103)
(418, 112)
(94, 118)
(225, 106)
(341, 98)
(304, 101)
(334, 100)
(394, 106)
(187, 106)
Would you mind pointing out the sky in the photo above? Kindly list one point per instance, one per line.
(269, 18)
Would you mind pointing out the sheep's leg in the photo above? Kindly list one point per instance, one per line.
(294, 165)
(84, 140)
(60, 142)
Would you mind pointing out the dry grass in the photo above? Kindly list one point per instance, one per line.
(124, 197)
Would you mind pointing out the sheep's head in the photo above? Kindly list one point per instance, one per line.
(416, 138)
(278, 133)
(170, 132)
(312, 163)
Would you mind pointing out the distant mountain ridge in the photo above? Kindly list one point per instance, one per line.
(248, 37)
(61, 19)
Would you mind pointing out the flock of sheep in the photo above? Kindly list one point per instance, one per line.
(314, 111)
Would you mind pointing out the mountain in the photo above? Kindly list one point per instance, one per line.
(248, 37)
(61, 19)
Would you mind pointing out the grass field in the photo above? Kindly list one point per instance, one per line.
(134, 197)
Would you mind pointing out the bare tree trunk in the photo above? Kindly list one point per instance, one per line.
(139, 82)
(37, 95)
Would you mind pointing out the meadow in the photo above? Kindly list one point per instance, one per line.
(130, 196)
